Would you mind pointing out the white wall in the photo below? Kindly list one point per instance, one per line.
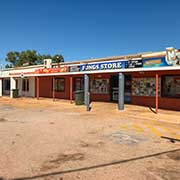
(1, 87)
(31, 86)
(31, 92)
(12, 86)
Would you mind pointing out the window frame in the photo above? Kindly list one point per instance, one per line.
(81, 83)
(54, 86)
(163, 87)
(26, 85)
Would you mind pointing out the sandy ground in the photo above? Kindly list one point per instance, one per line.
(57, 140)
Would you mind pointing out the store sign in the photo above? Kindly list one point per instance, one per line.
(103, 66)
(154, 62)
(134, 63)
(172, 58)
(74, 68)
(52, 70)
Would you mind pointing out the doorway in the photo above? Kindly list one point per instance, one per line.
(114, 88)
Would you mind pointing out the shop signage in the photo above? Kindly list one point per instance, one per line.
(51, 70)
(172, 58)
(134, 63)
(103, 66)
(21, 73)
(154, 62)
(74, 68)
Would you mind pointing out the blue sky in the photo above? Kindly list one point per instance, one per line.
(80, 29)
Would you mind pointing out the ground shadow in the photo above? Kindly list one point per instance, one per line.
(96, 166)
(152, 110)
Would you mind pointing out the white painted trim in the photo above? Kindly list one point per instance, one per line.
(104, 71)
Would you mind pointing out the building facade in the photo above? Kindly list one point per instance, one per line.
(149, 79)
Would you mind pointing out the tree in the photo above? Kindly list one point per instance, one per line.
(30, 57)
(13, 58)
(58, 58)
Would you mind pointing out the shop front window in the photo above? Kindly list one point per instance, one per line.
(78, 84)
(99, 86)
(171, 86)
(145, 86)
(25, 85)
(6, 84)
(60, 84)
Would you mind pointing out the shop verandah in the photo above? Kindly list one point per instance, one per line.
(151, 88)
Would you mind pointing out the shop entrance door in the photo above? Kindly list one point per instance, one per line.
(114, 88)
(127, 89)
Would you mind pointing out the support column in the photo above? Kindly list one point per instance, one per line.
(121, 92)
(12, 86)
(20, 84)
(71, 89)
(86, 92)
(53, 88)
(157, 98)
(25, 92)
(37, 88)
(1, 88)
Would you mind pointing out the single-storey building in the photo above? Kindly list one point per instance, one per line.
(148, 79)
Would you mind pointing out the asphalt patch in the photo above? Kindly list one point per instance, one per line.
(124, 138)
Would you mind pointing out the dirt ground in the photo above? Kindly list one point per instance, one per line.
(57, 140)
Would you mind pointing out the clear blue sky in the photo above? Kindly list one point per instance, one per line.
(80, 29)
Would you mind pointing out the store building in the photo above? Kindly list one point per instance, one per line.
(147, 79)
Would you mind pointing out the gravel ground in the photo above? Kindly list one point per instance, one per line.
(58, 140)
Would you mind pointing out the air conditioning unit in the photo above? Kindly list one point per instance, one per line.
(47, 63)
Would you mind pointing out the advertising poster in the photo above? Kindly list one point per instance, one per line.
(155, 62)
(145, 87)
(99, 86)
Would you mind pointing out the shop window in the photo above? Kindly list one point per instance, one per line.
(78, 84)
(25, 85)
(7, 84)
(59, 84)
(171, 86)
(145, 87)
(99, 86)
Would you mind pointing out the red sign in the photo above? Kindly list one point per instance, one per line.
(51, 70)
(44, 71)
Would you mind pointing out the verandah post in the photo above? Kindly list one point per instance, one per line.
(37, 88)
(86, 92)
(53, 88)
(157, 99)
(71, 89)
(121, 92)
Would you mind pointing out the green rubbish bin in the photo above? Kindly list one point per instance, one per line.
(15, 93)
(79, 97)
